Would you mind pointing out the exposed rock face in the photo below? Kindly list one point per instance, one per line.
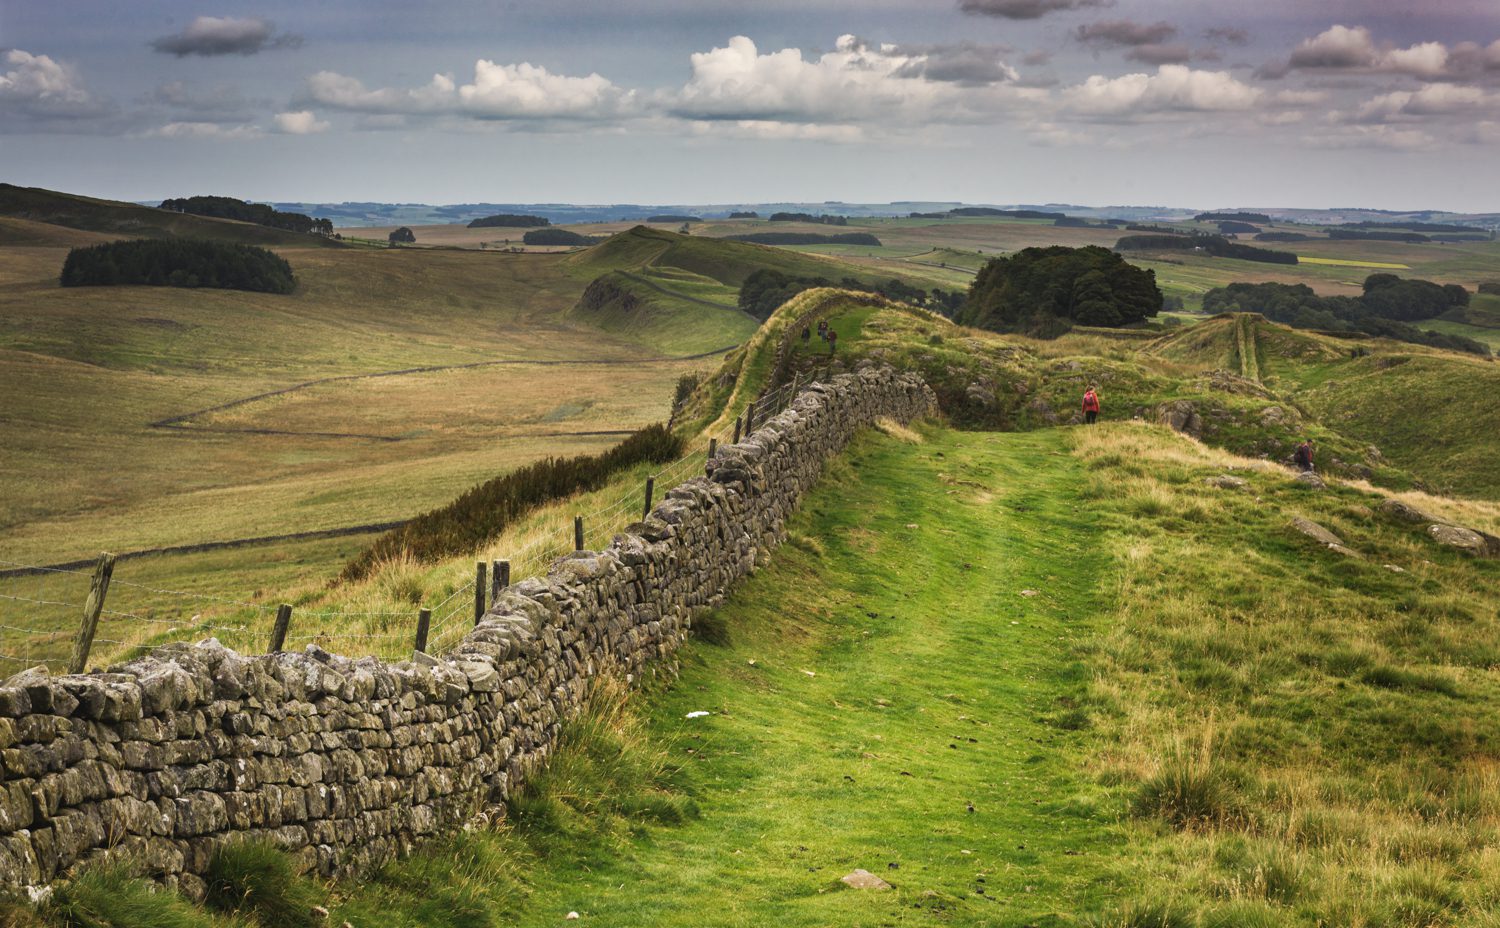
(1182, 416)
(348, 763)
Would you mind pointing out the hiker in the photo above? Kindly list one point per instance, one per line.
(823, 329)
(1090, 405)
(833, 338)
(1304, 455)
(806, 334)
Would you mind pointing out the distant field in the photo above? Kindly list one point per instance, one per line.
(1345, 262)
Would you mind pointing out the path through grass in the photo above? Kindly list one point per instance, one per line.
(885, 697)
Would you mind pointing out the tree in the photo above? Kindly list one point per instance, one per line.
(402, 236)
(1043, 290)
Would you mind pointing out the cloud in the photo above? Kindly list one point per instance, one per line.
(966, 63)
(1371, 137)
(499, 91)
(205, 130)
(301, 122)
(1173, 88)
(1354, 49)
(38, 89)
(224, 35)
(1114, 33)
(779, 131)
(1431, 100)
(217, 103)
(1027, 9)
(854, 81)
(1227, 35)
(1175, 53)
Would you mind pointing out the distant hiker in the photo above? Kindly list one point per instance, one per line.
(1304, 455)
(823, 329)
(806, 334)
(1090, 405)
(833, 340)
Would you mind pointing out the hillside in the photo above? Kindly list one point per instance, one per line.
(129, 220)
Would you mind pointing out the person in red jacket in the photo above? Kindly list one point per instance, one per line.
(1090, 405)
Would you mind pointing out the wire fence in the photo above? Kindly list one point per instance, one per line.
(45, 610)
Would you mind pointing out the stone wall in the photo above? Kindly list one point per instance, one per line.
(348, 763)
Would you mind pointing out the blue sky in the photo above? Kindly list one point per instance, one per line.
(1165, 102)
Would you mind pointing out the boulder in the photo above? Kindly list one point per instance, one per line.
(1227, 482)
(864, 879)
(1182, 416)
(1321, 535)
(1404, 513)
(1310, 480)
(1456, 536)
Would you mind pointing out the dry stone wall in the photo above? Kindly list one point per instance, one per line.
(348, 763)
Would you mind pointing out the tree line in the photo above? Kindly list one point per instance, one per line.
(809, 217)
(178, 262)
(509, 221)
(806, 238)
(766, 289)
(244, 211)
(1216, 245)
(1386, 308)
(558, 237)
(1233, 217)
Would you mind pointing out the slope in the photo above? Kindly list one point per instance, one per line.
(129, 220)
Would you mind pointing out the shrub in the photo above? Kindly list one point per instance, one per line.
(1186, 792)
(487, 509)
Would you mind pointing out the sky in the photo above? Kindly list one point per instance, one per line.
(1191, 103)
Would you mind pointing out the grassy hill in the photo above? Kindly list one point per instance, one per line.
(129, 220)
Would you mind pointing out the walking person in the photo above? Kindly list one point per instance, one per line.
(806, 334)
(833, 340)
(1090, 405)
(1304, 456)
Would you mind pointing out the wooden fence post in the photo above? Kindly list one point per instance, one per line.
(278, 631)
(479, 591)
(424, 621)
(496, 583)
(739, 421)
(104, 569)
(650, 488)
(578, 533)
(750, 418)
(713, 448)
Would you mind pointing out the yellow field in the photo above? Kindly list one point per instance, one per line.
(1345, 262)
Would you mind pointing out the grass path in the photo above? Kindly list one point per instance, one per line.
(883, 674)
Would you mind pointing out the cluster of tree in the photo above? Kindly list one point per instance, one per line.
(744, 214)
(178, 262)
(1491, 287)
(1148, 227)
(558, 237)
(927, 216)
(766, 289)
(1216, 245)
(1385, 309)
(1078, 222)
(673, 217)
(1235, 217)
(809, 217)
(1410, 238)
(1408, 226)
(258, 213)
(488, 509)
(509, 221)
(1043, 291)
(1282, 237)
(401, 236)
(807, 238)
(1235, 227)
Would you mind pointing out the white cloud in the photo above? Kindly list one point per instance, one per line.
(854, 82)
(1431, 100)
(300, 122)
(499, 91)
(1173, 88)
(1366, 137)
(1353, 48)
(204, 130)
(38, 88)
(772, 129)
(224, 35)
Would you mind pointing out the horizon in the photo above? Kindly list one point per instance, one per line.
(977, 101)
